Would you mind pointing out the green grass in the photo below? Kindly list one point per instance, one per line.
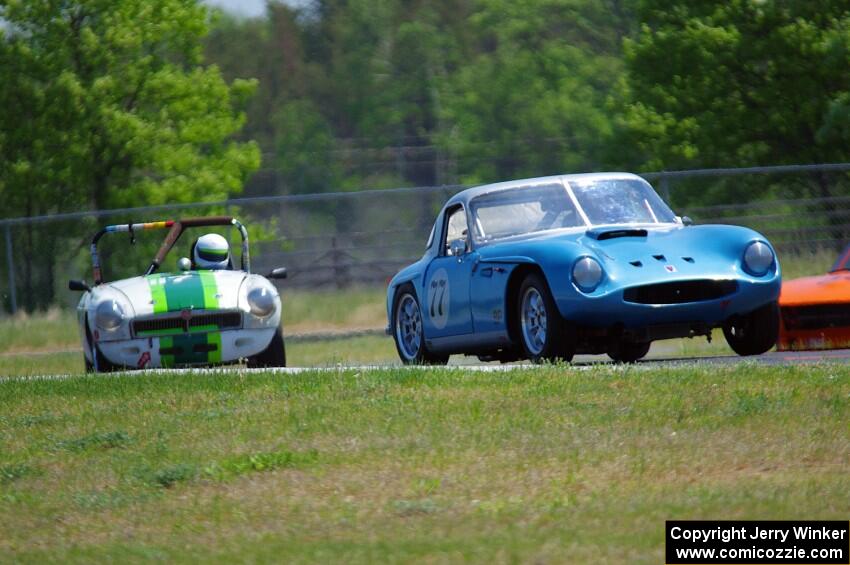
(369, 350)
(355, 351)
(40, 363)
(796, 265)
(56, 329)
(355, 308)
(549, 464)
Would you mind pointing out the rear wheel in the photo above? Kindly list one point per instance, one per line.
(408, 333)
(543, 334)
(753, 333)
(629, 352)
(272, 356)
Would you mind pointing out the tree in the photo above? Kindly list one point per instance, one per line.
(532, 98)
(738, 83)
(381, 66)
(107, 103)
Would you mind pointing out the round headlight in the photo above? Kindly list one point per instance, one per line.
(261, 301)
(587, 274)
(758, 258)
(109, 315)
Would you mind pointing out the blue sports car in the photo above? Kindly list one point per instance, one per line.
(545, 268)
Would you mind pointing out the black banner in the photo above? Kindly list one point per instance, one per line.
(694, 542)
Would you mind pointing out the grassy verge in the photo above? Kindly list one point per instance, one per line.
(355, 351)
(356, 308)
(548, 465)
(806, 264)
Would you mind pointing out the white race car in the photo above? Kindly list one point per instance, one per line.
(187, 318)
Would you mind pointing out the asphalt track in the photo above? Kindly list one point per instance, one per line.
(582, 362)
(770, 358)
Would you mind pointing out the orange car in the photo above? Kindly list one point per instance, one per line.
(816, 310)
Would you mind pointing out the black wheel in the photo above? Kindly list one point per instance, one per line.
(543, 334)
(629, 352)
(88, 364)
(408, 333)
(103, 364)
(272, 356)
(753, 333)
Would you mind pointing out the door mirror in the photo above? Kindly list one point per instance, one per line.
(80, 286)
(458, 247)
(686, 220)
(279, 273)
(184, 264)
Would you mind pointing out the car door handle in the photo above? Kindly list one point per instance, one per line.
(488, 271)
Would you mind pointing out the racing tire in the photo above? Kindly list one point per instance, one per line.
(272, 356)
(543, 334)
(754, 333)
(408, 331)
(629, 351)
(103, 364)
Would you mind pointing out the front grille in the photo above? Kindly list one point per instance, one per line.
(816, 317)
(173, 323)
(680, 292)
(158, 325)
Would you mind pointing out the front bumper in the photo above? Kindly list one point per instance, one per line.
(819, 339)
(611, 309)
(814, 326)
(189, 349)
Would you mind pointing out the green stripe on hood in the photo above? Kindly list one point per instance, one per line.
(193, 290)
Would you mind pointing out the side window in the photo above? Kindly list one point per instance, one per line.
(456, 229)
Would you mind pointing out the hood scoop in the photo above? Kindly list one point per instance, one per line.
(601, 234)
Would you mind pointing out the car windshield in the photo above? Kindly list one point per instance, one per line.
(524, 210)
(536, 208)
(620, 201)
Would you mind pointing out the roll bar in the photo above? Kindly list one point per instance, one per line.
(175, 230)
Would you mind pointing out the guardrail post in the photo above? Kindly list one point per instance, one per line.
(10, 262)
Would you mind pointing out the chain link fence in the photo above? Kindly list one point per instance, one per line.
(336, 240)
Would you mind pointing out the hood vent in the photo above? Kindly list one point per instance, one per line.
(601, 234)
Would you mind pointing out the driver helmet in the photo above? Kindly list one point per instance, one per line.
(211, 251)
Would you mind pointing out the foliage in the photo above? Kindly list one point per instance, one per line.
(371, 94)
(113, 104)
(738, 83)
(532, 98)
(108, 104)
